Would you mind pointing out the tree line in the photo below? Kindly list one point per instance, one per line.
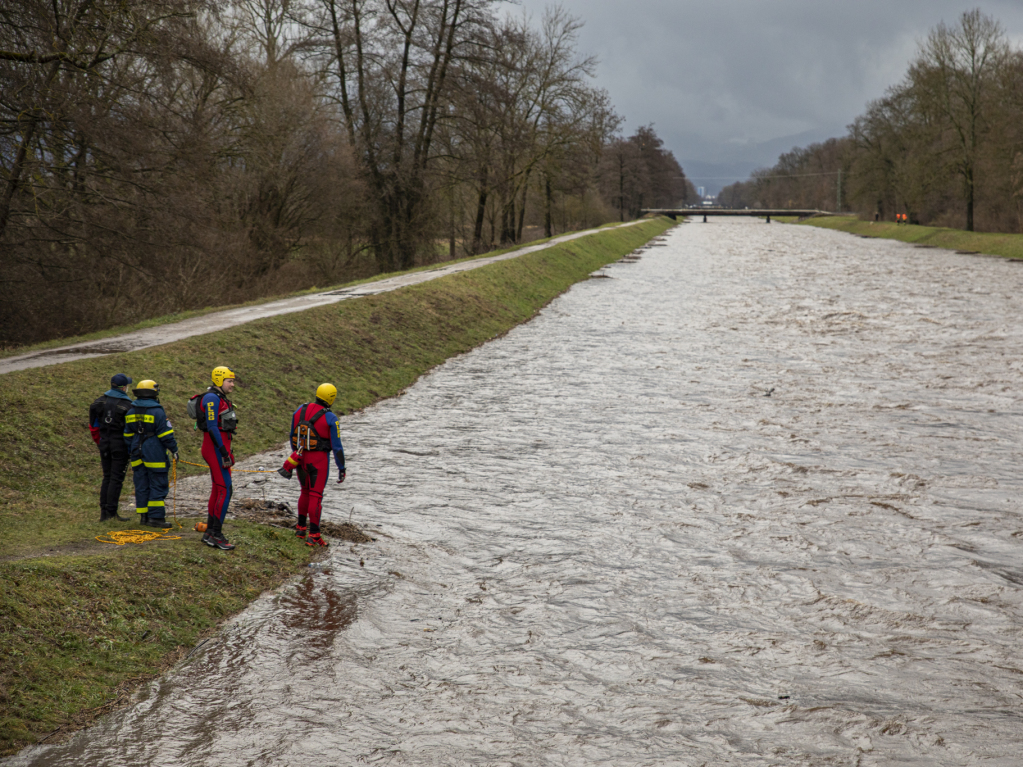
(944, 146)
(165, 155)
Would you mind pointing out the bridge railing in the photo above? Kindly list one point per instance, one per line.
(676, 213)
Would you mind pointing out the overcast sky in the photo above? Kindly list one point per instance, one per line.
(730, 84)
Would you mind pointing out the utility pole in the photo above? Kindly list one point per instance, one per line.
(839, 208)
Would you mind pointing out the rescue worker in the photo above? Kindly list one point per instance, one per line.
(106, 424)
(150, 436)
(315, 433)
(217, 420)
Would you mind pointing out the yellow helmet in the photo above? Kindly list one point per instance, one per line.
(221, 374)
(327, 393)
(147, 389)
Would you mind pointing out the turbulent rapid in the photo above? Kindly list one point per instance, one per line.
(750, 500)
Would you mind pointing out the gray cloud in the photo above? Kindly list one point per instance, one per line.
(727, 83)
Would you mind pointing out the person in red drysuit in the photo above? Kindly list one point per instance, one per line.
(217, 420)
(315, 434)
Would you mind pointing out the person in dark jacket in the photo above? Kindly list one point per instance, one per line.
(106, 424)
(150, 437)
(315, 435)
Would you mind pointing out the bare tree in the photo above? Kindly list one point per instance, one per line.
(954, 79)
(389, 61)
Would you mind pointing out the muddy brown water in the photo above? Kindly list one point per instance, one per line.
(753, 500)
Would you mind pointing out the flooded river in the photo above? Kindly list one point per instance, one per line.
(752, 500)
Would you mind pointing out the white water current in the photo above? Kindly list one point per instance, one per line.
(753, 500)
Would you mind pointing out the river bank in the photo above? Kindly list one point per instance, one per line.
(752, 499)
(81, 630)
(988, 243)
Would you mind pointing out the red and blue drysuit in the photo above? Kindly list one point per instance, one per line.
(149, 436)
(217, 421)
(314, 465)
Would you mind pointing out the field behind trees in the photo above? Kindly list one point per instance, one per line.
(158, 156)
(943, 146)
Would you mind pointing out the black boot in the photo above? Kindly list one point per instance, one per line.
(219, 540)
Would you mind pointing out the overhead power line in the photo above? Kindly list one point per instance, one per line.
(752, 178)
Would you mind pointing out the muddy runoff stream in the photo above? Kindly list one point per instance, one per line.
(750, 500)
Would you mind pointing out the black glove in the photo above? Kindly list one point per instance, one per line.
(341, 476)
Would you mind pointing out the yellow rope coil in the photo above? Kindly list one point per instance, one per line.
(121, 537)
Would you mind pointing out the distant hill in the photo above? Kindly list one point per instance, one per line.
(715, 166)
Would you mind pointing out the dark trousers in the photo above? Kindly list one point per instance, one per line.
(151, 488)
(114, 458)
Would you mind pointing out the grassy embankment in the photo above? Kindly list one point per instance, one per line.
(166, 319)
(991, 243)
(82, 624)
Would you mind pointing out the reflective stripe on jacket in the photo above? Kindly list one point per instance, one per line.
(149, 435)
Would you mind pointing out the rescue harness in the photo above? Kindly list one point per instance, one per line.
(305, 437)
(111, 412)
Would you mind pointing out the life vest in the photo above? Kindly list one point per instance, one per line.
(227, 420)
(305, 438)
(109, 413)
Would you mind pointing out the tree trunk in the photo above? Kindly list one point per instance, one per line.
(522, 208)
(969, 199)
(548, 229)
(21, 158)
(481, 209)
(451, 226)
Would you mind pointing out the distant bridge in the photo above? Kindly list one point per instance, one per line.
(676, 213)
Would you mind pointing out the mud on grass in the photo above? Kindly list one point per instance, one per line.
(79, 634)
(280, 515)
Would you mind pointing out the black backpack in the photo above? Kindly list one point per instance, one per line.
(110, 412)
(227, 421)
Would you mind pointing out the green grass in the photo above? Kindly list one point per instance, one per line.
(167, 319)
(81, 632)
(991, 243)
(70, 625)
